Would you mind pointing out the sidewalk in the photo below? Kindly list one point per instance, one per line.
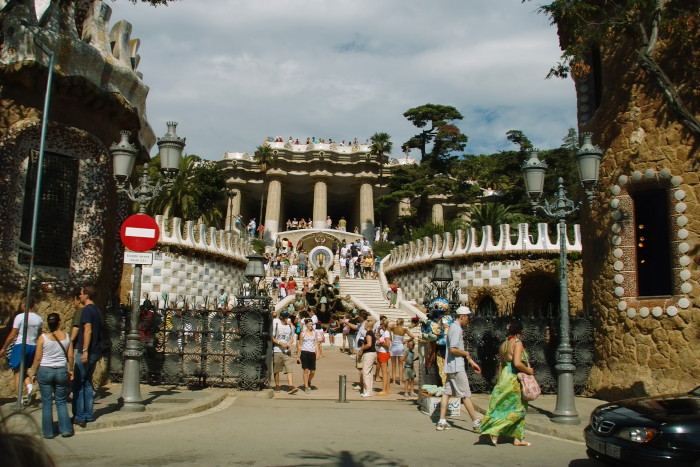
(168, 402)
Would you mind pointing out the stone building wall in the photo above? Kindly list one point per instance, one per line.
(96, 92)
(516, 272)
(644, 345)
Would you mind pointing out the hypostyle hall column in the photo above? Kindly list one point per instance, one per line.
(320, 199)
(437, 210)
(233, 208)
(367, 209)
(274, 204)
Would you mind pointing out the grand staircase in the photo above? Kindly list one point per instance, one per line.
(369, 292)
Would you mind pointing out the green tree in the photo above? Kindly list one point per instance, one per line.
(590, 25)
(438, 130)
(264, 157)
(196, 193)
(381, 146)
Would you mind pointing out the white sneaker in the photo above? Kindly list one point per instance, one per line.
(442, 426)
(476, 424)
(30, 393)
(366, 395)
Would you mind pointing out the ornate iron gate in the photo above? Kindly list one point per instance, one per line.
(485, 333)
(199, 347)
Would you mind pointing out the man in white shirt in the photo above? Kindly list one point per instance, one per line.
(282, 339)
(34, 325)
(457, 384)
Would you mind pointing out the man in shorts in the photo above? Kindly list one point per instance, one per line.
(457, 384)
(282, 339)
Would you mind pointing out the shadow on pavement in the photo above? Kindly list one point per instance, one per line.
(345, 458)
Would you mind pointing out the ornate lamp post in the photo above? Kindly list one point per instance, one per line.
(231, 194)
(588, 159)
(124, 157)
(441, 285)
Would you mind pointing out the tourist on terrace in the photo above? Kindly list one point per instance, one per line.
(302, 224)
(342, 224)
(329, 224)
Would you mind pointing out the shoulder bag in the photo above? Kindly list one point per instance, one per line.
(529, 387)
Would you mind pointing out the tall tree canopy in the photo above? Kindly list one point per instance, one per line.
(438, 130)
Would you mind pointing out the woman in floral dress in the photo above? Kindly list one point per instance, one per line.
(507, 408)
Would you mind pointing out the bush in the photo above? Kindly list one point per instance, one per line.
(382, 248)
(258, 245)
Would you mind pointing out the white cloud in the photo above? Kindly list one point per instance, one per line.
(233, 72)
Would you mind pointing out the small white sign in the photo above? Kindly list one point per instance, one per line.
(133, 257)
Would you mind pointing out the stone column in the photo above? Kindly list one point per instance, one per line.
(405, 207)
(273, 209)
(367, 210)
(233, 209)
(320, 204)
(437, 211)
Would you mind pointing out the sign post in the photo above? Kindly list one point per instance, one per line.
(139, 233)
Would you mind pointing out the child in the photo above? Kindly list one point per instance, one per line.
(409, 372)
(320, 335)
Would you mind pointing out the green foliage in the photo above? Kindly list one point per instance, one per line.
(197, 192)
(382, 248)
(258, 245)
(493, 214)
(263, 157)
(589, 23)
(439, 131)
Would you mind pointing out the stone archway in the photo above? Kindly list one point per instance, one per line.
(487, 306)
(538, 296)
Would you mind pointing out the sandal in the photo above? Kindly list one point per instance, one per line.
(494, 440)
(521, 443)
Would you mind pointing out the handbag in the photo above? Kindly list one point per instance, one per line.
(529, 387)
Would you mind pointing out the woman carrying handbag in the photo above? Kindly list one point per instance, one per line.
(52, 368)
(507, 406)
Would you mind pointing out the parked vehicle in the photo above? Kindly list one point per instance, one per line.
(659, 430)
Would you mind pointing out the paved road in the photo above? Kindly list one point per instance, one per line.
(248, 431)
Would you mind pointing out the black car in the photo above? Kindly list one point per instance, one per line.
(660, 430)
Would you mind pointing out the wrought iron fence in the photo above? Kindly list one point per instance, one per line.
(198, 347)
(484, 335)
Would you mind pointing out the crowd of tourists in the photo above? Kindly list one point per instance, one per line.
(57, 364)
(314, 140)
(385, 353)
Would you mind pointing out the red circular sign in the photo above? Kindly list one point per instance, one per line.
(139, 232)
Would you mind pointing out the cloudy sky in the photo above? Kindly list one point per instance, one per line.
(233, 72)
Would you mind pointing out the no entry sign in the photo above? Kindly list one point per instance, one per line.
(139, 232)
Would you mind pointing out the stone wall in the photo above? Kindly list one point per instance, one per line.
(191, 263)
(96, 93)
(518, 272)
(644, 345)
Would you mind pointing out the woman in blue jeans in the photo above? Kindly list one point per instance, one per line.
(53, 358)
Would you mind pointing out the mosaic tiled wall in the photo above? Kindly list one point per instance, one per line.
(192, 263)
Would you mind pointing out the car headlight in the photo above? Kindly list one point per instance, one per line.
(637, 434)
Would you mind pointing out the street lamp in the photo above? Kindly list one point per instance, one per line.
(441, 283)
(124, 157)
(588, 159)
(231, 194)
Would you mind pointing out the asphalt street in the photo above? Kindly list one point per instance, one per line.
(277, 432)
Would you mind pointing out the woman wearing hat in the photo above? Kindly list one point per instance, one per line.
(52, 363)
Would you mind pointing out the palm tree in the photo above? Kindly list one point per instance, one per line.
(493, 214)
(178, 199)
(381, 145)
(263, 157)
